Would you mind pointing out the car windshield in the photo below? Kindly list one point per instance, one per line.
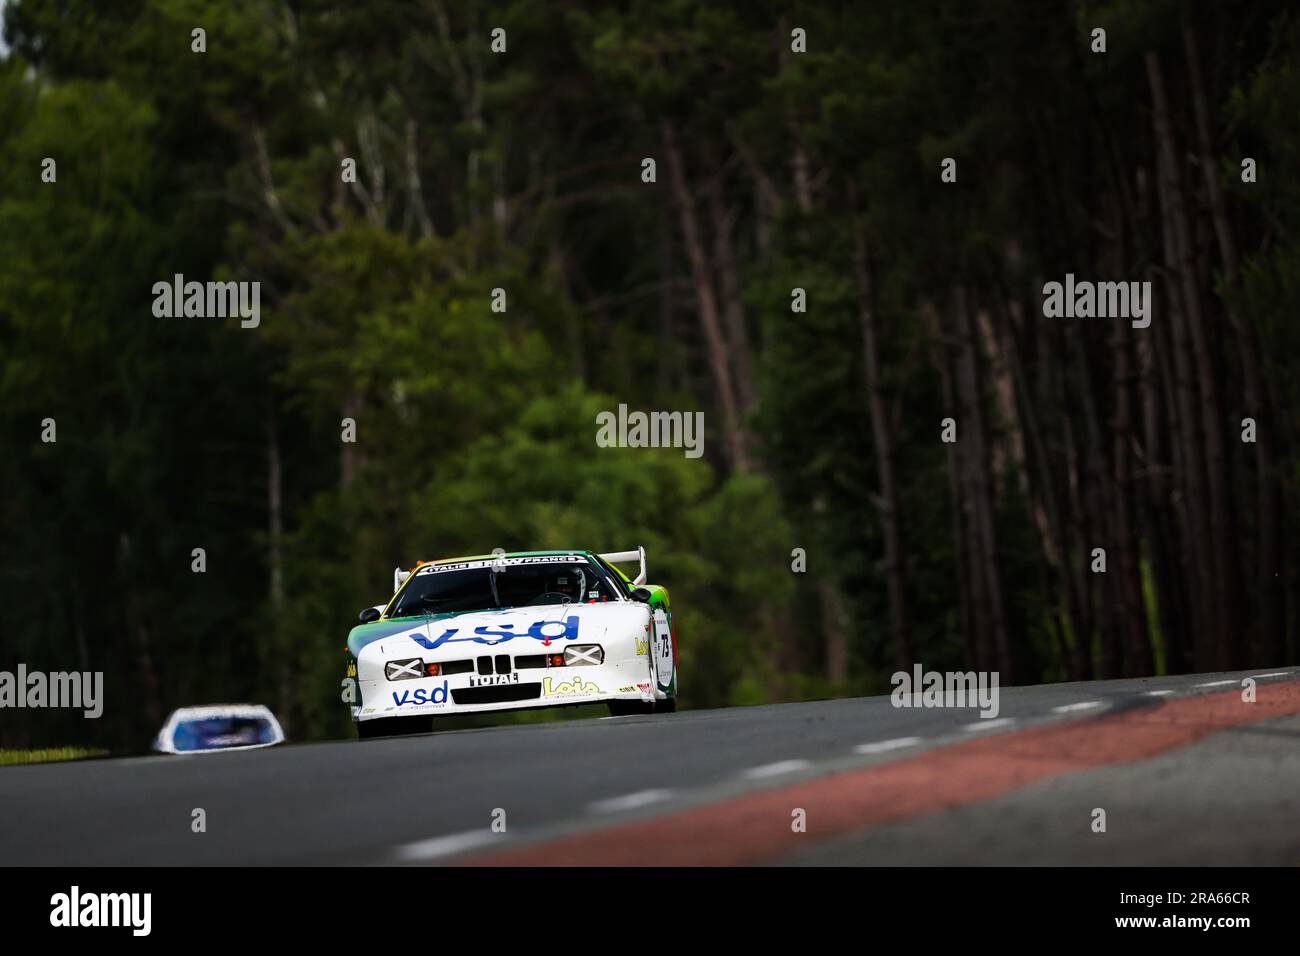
(213, 733)
(452, 589)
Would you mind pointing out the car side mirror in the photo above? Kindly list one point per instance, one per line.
(642, 595)
(370, 615)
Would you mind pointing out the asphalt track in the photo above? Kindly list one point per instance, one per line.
(1186, 771)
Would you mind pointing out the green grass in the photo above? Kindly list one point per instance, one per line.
(10, 758)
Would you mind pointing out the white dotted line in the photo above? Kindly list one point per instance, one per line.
(444, 845)
(775, 769)
(1082, 705)
(630, 801)
(898, 743)
(988, 724)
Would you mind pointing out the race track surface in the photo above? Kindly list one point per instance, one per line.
(1184, 769)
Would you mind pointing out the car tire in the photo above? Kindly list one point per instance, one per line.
(668, 706)
(393, 727)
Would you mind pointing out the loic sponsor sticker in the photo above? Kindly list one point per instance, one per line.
(569, 688)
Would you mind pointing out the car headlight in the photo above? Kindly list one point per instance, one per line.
(577, 654)
(411, 669)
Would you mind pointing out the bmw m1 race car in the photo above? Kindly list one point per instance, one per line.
(512, 632)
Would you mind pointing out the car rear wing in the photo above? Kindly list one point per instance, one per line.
(617, 557)
(398, 577)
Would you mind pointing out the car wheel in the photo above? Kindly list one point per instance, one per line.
(394, 727)
(668, 706)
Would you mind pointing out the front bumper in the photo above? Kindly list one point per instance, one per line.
(521, 690)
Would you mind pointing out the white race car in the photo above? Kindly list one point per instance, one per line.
(511, 632)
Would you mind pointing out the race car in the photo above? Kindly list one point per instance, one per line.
(511, 631)
(191, 730)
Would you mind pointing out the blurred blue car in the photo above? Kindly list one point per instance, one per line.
(218, 727)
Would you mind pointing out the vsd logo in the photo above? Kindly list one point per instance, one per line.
(421, 695)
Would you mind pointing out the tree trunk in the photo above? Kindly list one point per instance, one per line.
(983, 509)
(1193, 460)
(799, 165)
(835, 629)
(1269, 514)
(961, 537)
(275, 564)
(1222, 603)
(136, 617)
(1137, 641)
(706, 301)
(1041, 492)
(888, 505)
(733, 306)
(666, 378)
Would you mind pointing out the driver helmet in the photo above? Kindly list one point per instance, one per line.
(569, 583)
